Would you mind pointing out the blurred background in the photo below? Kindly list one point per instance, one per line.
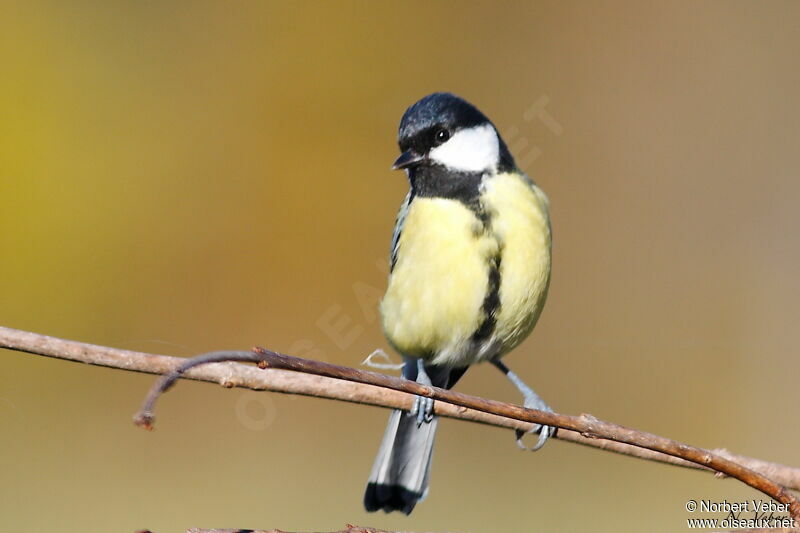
(184, 177)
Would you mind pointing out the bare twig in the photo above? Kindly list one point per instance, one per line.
(587, 425)
(245, 376)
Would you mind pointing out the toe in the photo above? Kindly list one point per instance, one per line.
(545, 432)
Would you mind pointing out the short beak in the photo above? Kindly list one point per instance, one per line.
(407, 159)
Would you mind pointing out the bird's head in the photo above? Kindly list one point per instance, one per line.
(445, 130)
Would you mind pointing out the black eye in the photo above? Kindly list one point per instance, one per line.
(441, 136)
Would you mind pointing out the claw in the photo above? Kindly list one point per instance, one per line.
(428, 411)
(545, 432)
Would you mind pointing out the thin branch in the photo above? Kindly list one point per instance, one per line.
(245, 376)
(587, 425)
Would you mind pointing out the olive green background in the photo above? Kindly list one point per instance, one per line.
(190, 176)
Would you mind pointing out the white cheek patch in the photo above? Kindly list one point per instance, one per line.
(472, 150)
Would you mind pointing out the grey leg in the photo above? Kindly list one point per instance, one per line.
(423, 407)
(531, 401)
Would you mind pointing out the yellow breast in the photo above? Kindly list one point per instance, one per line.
(521, 222)
(432, 305)
(434, 302)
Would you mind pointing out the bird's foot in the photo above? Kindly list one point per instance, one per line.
(532, 401)
(423, 406)
(422, 409)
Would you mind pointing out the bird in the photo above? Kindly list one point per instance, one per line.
(469, 274)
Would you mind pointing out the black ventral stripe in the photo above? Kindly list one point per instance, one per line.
(491, 303)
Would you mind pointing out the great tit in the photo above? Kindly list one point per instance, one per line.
(469, 274)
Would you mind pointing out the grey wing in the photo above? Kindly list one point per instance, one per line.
(398, 229)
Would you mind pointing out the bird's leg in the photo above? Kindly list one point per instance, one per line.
(423, 406)
(531, 401)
